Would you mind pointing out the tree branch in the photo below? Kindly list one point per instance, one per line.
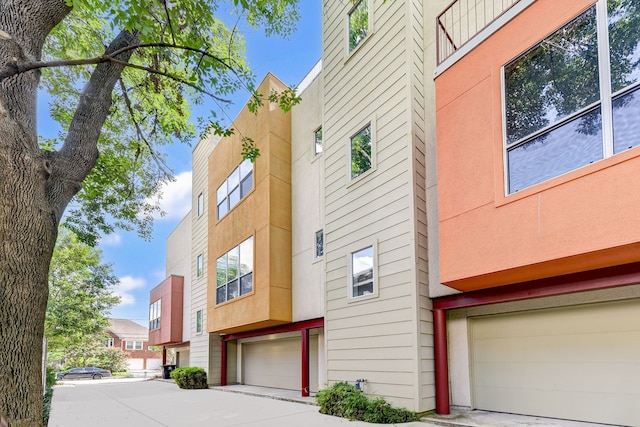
(80, 150)
(161, 164)
(15, 67)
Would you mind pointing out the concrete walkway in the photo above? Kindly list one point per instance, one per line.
(158, 403)
(161, 403)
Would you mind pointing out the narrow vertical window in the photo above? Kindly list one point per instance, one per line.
(358, 24)
(317, 137)
(200, 204)
(319, 244)
(199, 266)
(362, 280)
(361, 152)
(199, 322)
(155, 310)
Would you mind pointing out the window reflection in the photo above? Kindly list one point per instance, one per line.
(626, 126)
(562, 150)
(553, 80)
(361, 152)
(553, 98)
(234, 272)
(362, 272)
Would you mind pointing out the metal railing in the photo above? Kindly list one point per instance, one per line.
(463, 19)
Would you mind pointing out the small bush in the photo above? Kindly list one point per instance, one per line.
(190, 377)
(343, 400)
(48, 395)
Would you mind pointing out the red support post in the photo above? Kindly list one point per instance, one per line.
(164, 355)
(223, 362)
(305, 361)
(441, 361)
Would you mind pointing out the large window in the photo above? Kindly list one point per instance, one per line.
(362, 278)
(155, 310)
(358, 24)
(573, 99)
(234, 272)
(361, 152)
(235, 187)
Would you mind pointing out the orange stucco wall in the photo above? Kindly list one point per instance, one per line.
(171, 292)
(265, 214)
(586, 219)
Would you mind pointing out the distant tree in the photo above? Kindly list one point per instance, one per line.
(97, 354)
(80, 294)
(121, 74)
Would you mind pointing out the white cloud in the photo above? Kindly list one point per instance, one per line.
(125, 289)
(111, 240)
(175, 198)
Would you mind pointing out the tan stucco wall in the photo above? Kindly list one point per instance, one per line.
(265, 213)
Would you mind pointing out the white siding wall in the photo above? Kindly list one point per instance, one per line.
(380, 82)
(200, 342)
(307, 191)
(179, 263)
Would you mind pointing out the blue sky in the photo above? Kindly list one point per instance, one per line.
(139, 264)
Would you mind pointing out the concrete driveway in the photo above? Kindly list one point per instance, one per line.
(157, 403)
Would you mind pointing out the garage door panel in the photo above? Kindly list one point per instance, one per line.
(272, 363)
(527, 401)
(610, 347)
(614, 379)
(579, 363)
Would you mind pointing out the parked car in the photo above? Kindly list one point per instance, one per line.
(75, 373)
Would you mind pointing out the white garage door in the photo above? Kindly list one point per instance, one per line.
(277, 363)
(135, 364)
(580, 363)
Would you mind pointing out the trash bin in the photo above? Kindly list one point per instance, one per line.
(166, 371)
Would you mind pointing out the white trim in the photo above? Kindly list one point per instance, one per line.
(604, 71)
(309, 78)
(374, 149)
(376, 285)
(350, 52)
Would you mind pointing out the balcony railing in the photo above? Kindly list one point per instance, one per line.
(463, 19)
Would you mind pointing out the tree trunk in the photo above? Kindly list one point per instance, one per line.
(28, 231)
(35, 188)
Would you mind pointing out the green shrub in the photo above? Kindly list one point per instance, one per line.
(343, 400)
(190, 377)
(46, 406)
(48, 395)
(51, 377)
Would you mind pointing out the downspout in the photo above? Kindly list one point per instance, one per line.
(223, 362)
(305, 361)
(441, 361)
